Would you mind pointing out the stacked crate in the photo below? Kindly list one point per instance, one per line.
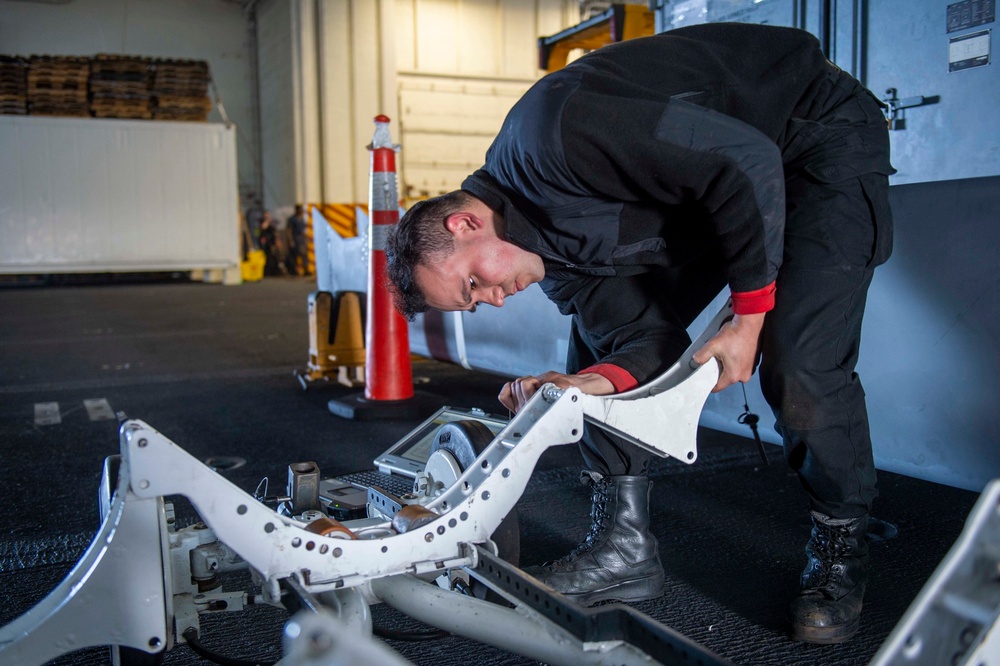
(119, 87)
(57, 86)
(13, 85)
(180, 90)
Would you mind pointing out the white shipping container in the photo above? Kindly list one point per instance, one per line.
(99, 195)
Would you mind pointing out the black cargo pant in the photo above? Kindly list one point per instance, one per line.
(838, 229)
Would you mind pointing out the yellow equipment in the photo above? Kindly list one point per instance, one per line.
(336, 338)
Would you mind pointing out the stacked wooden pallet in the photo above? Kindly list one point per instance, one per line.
(57, 86)
(106, 86)
(119, 86)
(13, 85)
(180, 90)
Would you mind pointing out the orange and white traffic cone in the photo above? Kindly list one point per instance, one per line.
(388, 372)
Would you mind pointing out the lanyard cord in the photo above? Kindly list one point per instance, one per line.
(750, 419)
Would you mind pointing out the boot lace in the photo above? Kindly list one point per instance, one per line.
(829, 543)
(599, 519)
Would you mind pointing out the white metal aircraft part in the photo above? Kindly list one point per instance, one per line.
(279, 547)
(954, 619)
(520, 629)
(320, 638)
(661, 416)
(92, 606)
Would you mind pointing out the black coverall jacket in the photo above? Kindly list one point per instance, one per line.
(650, 173)
(653, 152)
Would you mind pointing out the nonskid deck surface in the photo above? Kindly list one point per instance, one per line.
(211, 368)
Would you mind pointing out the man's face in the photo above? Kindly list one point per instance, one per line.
(482, 269)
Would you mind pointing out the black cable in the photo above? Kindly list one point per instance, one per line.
(750, 419)
(412, 636)
(191, 636)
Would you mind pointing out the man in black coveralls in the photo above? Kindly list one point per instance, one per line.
(634, 185)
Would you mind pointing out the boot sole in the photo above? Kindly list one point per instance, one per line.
(642, 589)
(824, 635)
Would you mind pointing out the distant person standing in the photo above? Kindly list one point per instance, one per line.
(267, 240)
(254, 216)
(298, 247)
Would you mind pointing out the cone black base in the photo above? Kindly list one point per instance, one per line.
(357, 407)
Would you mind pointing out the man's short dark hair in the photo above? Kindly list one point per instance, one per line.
(420, 237)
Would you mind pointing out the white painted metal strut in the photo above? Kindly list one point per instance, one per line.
(117, 594)
(662, 416)
(519, 630)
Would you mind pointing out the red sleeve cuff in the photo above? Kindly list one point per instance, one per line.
(620, 378)
(753, 302)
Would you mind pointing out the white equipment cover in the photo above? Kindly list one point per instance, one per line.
(103, 195)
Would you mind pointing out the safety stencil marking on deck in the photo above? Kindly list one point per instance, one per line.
(98, 409)
(47, 413)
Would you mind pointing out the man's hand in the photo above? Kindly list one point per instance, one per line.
(735, 346)
(515, 394)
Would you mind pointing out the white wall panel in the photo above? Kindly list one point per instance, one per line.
(366, 66)
(306, 85)
(435, 25)
(519, 37)
(553, 16)
(277, 111)
(462, 66)
(461, 107)
(405, 13)
(447, 125)
(477, 38)
(341, 182)
(87, 195)
(327, 69)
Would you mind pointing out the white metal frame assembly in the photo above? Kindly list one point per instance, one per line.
(130, 590)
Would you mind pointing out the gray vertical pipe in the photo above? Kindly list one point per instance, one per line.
(860, 41)
(258, 145)
(825, 19)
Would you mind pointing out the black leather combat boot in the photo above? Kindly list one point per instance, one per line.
(618, 559)
(832, 588)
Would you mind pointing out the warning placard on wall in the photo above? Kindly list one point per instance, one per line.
(966, 51)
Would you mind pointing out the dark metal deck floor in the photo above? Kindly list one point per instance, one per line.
(211, 368)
